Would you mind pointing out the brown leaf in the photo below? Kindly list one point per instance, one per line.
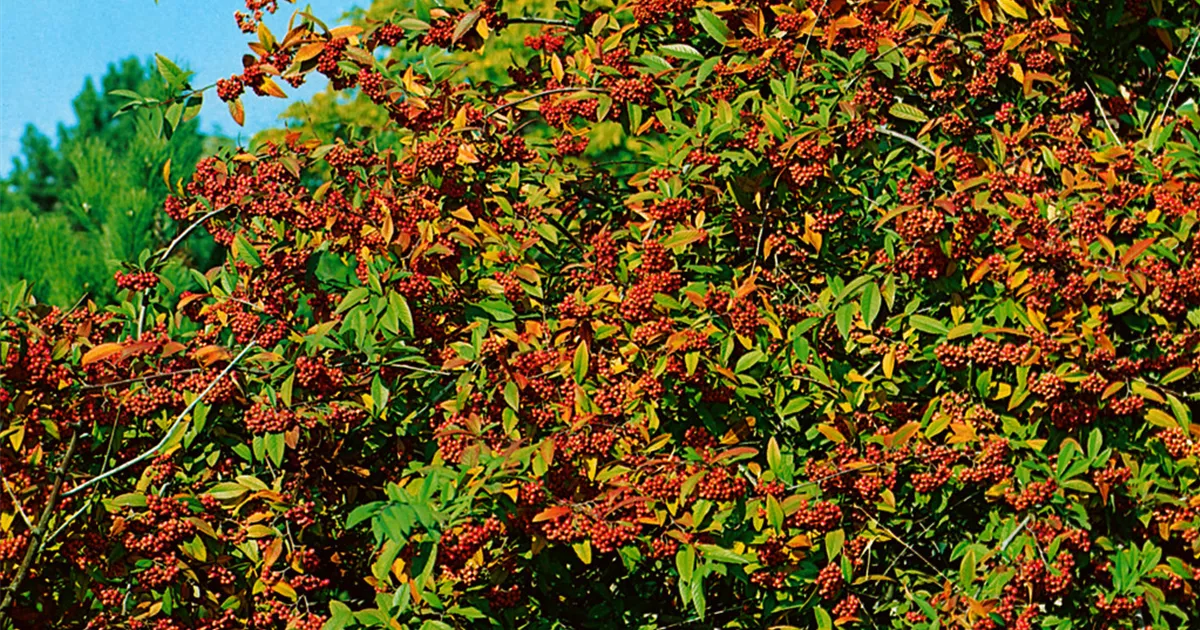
(101, 352)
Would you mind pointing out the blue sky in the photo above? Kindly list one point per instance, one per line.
(48, 47)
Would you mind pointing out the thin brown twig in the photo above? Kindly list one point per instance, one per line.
(36, 533)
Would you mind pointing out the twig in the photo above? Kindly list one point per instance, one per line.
(140, 378)
(1178, 80)
(909, 139)
(538, 20)
(58, 530)
(35, 535)
(178, 419)
(16, 501)
(538, 95)
(182, 235)
(1103, 114)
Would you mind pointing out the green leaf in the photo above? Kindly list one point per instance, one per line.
(512, 396)
(845, 318)
(721, 554)
(749, 360)
(870, 303)
(275, 445)
(824, 621)
(353, 296)
(685, 562)
(499, 310)
(681, 51)
(775, 515)
(928, 324)
(400, 312)
(907, 112)
(581, 362)
(966, 569)
(340, 616)
(833, 543)
(713, 25)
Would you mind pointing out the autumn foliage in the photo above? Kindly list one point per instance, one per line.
(693, 314)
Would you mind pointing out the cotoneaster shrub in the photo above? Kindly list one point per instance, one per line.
(873, 314)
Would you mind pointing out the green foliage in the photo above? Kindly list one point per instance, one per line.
(97, 192)
(887, 316)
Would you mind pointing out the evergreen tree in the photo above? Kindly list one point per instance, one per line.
(70, 209)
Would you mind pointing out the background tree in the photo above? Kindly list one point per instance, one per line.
(72, 209)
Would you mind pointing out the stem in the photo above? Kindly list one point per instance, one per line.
(909, 139)
(34, 547)
(182, 235)
(539, 95)
(178, 419)
(538, 20)
(1178, 80)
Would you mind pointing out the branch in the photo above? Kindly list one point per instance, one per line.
(538, 20)
(1178, 80)
(34, 547)
(178, 419)
(909, 139)
(539, 95)
(182, 235)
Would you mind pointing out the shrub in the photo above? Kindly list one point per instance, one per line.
(874, 314)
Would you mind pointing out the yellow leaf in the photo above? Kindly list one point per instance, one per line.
(1012, 8)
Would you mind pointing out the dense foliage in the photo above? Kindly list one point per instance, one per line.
(692, 314)
(73, 210)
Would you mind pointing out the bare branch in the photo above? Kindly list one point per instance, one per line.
(178, 419)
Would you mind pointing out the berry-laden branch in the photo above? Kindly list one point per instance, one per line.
(174, 425)
(538, 95)
(35, 535)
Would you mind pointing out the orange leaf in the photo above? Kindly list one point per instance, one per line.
(309, 51)
(1136, 250)
(551, 513)
(211, 354)
(735, 452)
(237, 112)
(101, 352)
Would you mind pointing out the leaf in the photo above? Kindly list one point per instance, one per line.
(682, 238)
(227, 490)
(362, 513)
(580, 363)
(1136, 250)
(352, 297)
(833, 543)
(685, 562)
(824, 621)
(100, 352)
(713, 25)
(500, 310)
(275, 444)
(721, 554)
(1012, 8)
(584, 551)
(465, 24)
(907, 112)
(551, 513)
(870, 303)
(749, 360)
(340, 616)
(398, 305)
(966, 569)
(928, 324)
(237, 111)
(681, 51)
